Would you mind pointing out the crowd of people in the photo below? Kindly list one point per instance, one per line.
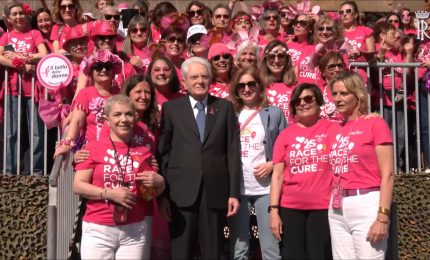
(181, 121)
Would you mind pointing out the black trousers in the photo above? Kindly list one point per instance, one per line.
(305, 234)
(197, 230)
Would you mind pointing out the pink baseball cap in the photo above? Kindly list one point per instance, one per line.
(218, 49)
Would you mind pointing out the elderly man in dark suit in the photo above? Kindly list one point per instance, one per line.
(200, 160)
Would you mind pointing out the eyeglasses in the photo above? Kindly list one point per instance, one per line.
(406, 15)
(308, 100)
(196, 12)
(271, 57)
(77, 44)
(283, 15)
(225, 56)
(99, 66)
(173, 39)
(225, 16)
(270, 17)
(325, 28)
(106, 37)
(393, 21)
(136, 30)
(251, 84)
(347, 11)
(332, 67)
(303, 23)
(65, 7)
(110, 16)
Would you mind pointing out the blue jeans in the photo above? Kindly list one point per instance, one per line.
(12, 135)
(424, 122)
(400, 129)
(239, 229)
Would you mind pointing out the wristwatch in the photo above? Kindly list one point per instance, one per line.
(272, 207)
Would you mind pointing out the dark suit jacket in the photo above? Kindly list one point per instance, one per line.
(186, 163)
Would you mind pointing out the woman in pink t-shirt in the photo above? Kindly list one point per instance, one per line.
(161, 74)
(20, 50)
(270, 23)
(277, 68)
(42, 21)
(135, 45)
(113, 181)
(87, 108)
(248, 54)
(407, 21)
(174, 40)
(301, 180)
(222, 63)
(361, 156)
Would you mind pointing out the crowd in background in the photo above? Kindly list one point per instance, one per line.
(314, 163)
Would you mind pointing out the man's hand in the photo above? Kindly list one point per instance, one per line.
(233, 207)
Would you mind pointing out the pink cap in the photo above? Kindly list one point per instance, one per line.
(122, 6)
(102, 28)
(73, 35)
(218, 49)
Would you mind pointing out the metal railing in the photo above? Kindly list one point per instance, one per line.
(372, 68)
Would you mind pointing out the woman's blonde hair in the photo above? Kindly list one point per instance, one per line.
(355, 85)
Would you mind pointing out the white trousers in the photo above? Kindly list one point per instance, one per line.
(131, 241)
(350, 225)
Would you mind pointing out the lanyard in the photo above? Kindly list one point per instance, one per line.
(248, 120)
(119, 163)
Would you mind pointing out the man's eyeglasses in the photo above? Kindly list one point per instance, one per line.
(308, 100)
(225, 16)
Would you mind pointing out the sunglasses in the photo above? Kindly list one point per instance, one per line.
(115, 17)
(219, 16)
(302, 23)
(332, 67)
(194, 13)
(136, 30)
(270, 17)
(325, 28)
(173, 39)
(283, 15)
(251, 84)
(308, 100)
(347, 11)
(65, 7)
(225, 56)
(102, 65)
(393, 21)
(106, 37)
(272, 57)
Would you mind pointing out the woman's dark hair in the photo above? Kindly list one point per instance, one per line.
(207, 13)
(160, 10)
(151, 116)
(416, 43)
(36, 14)
(326, 58)
(298, 91)
(310, 27)
(288, 74)
(172, 30)
(261, 89)
(355, 9)
(174, 85)
(381, 27)
(142, 5)
(398, 17)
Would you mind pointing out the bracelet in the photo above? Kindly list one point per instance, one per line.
(67, 142)
(105, 195)
(384, 211)
(383, 222)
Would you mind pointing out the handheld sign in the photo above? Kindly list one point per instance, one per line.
(54, 70)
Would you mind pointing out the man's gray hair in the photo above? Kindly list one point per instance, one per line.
(186, 64)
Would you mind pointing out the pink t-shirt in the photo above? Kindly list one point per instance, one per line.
(162, 98)
(219, 90)
(357, 39)
(143, 136)
(353, 154)
(59, 32)
(279, 95)
(295, 50)
(307, 73)
(92, 103)
(108, 174)
(391, 57)
(262, 42)
(23, 43)
(307, 174)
